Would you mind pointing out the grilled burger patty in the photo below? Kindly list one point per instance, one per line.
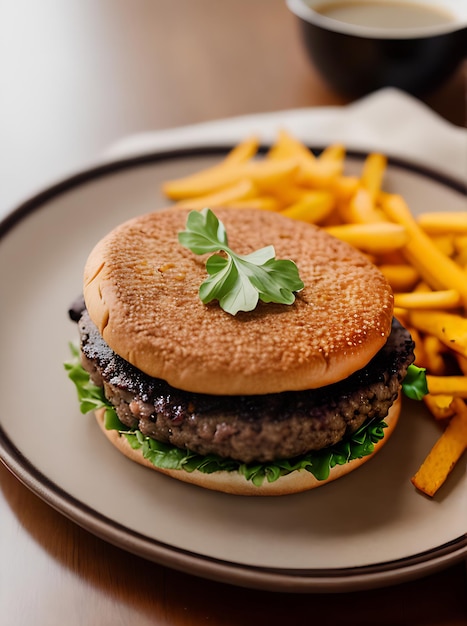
(247, 428)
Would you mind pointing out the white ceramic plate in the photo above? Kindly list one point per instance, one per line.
(368, 529)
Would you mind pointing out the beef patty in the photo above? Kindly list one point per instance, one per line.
(258, 428)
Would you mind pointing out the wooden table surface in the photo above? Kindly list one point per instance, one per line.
(76, 76)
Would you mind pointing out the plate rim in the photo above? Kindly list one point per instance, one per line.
(259, 577)
(86, 174)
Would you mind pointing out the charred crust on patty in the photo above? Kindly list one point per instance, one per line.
(253, 427)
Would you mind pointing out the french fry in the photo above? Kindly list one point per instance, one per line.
(344, 188)
(446, 299)
(394, 257)
(288, 147)
(318, 174)
(265, 174)
(445, 453)
(421, 357)
(377, 237)
(401, 277)
(460, 243)
(434, 351)
(270, 176)
(450, 328)
(401, 315)
(264, 203)
(362, 209)
(240, 190)
(334, 152)
(287, 194)
(374, 167)
(243, 151)
(462, 363)
(313, 207)
(206, 179)
(447, 385)
(440, 406)
(460, 250)
(421, 287)
(444, 243)
(444, 223)
(436, 268)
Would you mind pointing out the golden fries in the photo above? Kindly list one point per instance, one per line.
(443, 223)
(401, 277)
(362, 208)
(263, 173)
(241, 190)
(462, 362)
(334, 152)
(373, 174)
(445, 453)
(438, 270)
(424, 258)
(313, 206)
(243, 152)
(318, 174)
(377, 237)
(450, 328)
(448, 385)
(446, 299)
(434, 355)
(288, 147)
(440, 406)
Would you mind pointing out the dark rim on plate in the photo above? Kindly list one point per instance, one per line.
(275, 579)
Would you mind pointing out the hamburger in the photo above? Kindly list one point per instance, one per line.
(270, 401)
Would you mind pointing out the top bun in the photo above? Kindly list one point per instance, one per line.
(141, 291)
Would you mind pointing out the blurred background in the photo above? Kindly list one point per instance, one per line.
(77, 75)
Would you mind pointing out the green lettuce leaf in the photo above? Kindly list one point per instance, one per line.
(414, 384)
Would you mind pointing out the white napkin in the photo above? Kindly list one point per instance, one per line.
(389, 121)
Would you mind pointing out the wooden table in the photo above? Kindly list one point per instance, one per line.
(76, 76)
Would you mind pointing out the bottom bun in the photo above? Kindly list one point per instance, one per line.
(235, 483)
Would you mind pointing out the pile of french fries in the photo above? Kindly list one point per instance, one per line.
(424, 258)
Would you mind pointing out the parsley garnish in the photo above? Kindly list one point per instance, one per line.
(238, 281)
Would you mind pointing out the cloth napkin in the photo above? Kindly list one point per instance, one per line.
(389, 121)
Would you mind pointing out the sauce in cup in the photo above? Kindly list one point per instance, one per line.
(389, 15)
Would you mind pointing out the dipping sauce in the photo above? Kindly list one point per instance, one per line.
(390, 15)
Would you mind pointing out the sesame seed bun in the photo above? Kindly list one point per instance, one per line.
(235, 483)
(141, 291)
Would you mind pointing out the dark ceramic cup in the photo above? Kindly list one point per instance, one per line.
(355, 59)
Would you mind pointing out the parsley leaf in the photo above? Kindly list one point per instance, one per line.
(414, 384)
(237, 281)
